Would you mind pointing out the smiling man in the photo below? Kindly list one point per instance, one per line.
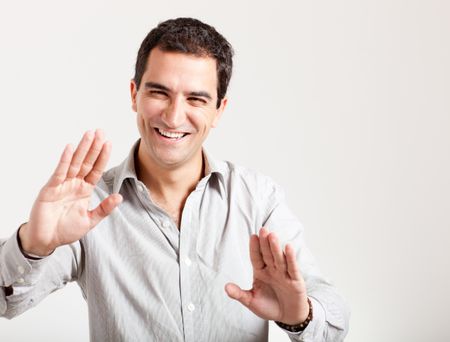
(176, 101)
(178, 246)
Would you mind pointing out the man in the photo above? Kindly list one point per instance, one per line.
(167, 243)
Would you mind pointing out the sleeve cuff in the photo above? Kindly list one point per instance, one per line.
(16, 268)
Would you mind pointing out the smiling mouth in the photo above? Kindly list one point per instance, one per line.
(171, 135)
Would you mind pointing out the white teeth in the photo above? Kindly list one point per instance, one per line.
(171, 134)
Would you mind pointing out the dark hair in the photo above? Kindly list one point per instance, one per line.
(188, 35)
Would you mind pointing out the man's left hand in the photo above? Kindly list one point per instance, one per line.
(279, 291)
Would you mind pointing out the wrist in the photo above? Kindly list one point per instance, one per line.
(301, 315)
(301, 324)
(27, 247)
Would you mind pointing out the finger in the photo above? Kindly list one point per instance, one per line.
(104, 209)
(277, 253)
(265, 248)
(97, 170)
(291, 262)
(92, 154)
(80, 154)
(235, 292)
(60, 173)
(255, 253)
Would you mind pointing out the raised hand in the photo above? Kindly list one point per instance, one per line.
(60, 214)
(279, 291)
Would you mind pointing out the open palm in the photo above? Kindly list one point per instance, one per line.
(60, 214)
(279, 291)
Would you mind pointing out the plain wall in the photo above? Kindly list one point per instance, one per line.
(344, 103)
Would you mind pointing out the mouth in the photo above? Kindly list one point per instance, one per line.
(171, 135)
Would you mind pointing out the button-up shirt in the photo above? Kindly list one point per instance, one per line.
(146, 280)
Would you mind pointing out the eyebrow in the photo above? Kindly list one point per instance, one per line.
(154, 85)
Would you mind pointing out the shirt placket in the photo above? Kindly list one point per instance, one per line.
(190, 305)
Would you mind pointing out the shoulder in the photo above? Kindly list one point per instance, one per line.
(250, 181)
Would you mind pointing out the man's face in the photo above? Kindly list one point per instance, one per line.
(176, 107)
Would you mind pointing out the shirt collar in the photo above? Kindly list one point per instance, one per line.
(127, 168)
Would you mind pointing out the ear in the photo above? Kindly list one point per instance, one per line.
(220, 110)
(133, 92)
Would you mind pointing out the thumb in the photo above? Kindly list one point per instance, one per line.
(104, 208)
(235, 292)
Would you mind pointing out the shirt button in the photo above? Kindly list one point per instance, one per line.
(142, 188)
(20, 280)
(20, 269)
(188, 261)
(165, 224)
(191, 307)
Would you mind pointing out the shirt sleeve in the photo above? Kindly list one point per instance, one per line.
(29, 281)
(330, 311)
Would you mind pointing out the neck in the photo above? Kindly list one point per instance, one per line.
(173, 183)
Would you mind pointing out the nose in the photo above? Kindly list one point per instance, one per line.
(174, 115)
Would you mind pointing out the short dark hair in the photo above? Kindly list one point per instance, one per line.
(188, 35)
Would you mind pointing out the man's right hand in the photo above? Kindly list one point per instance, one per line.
(60, 214)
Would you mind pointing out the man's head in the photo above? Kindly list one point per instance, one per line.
(182, 73)
(190, 36)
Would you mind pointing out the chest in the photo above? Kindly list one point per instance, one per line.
(138, 259)
(173, 208)
(151, 239)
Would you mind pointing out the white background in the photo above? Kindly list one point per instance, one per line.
(344, 103)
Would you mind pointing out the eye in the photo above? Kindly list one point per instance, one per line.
(158, 94)
(197, 100)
